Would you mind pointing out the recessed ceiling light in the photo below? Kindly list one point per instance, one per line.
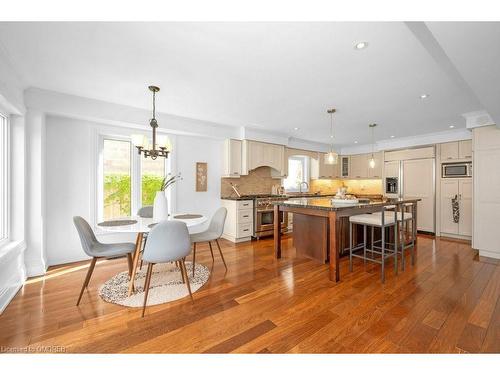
(296, 128)
(392, 136)
(355, 141)
(361, 45)
(452, 126)
(424, 96)
(331, 136)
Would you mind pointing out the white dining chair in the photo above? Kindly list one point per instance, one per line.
(213, 233)
(168, 241)
(146, 212)
(95, 249)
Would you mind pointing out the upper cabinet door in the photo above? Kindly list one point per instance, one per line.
(260, 154)
(449, 151)
(359, 166)
(377, 171)
(232, 158)
(465, 149)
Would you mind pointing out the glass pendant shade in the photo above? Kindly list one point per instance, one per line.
(331, 158)
(139, 140)
(372, 162)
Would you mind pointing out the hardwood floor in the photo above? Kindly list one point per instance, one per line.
(447, 303)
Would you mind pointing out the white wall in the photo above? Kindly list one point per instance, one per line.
(12, 268)
(190, 150)
(71, 147)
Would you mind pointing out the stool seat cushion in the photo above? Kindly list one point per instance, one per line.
(407, 215)
(370, 219)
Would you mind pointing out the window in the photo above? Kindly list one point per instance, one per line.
(4, 179)
(127, 180)
(117, 178)
(298, 172)
(152, 174)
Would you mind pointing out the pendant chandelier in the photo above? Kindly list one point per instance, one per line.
(371, 163)
(161, 145)
(331, 157)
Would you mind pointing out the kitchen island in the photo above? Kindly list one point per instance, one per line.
(317, 222)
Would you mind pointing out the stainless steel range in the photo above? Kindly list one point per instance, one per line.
(264, 215)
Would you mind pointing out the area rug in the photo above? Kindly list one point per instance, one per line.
(166, 285)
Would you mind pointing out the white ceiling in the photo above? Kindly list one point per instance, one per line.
(275, 76)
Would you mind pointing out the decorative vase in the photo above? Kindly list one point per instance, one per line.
(160, 207)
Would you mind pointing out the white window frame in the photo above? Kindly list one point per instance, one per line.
(305, 160)
(135, 175)
(5, 181)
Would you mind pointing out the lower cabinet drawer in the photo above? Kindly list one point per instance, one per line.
(245, 216)
(245, 230)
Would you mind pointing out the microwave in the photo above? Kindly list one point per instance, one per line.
(456, 170)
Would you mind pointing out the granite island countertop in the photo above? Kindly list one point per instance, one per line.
(322, 203)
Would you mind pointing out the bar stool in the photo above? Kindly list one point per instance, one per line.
(381, 221)
(405, 215)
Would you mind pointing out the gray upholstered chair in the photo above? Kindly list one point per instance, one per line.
(213, 233)
(96, 249)
(147, 212)
(168, 241)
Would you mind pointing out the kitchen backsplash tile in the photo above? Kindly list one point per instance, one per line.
(366, 187)
(258, 181)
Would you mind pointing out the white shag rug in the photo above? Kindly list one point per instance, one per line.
(166, 285)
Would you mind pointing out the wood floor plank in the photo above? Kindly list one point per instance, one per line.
(448, 302)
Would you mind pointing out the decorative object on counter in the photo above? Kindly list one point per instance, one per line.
(160, 204)
(455, 206)
(371, 163)
(201, 176)
(235, 189)
(161, 147)
(331, 157)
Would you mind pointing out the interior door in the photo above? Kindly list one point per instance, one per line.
(465, 194)
(449, 190)
(418, 182)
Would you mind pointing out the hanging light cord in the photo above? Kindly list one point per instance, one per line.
(154, 106)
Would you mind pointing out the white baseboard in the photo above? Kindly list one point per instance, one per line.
(6, 295)
(34, 269)
(489, 254)
(234, 239)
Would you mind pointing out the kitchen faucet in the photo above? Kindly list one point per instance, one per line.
(300, 186)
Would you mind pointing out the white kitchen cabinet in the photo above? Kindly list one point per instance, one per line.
(449, 151)
(260, 154)
(328, 171)
(239, 220)
(232, 158)
(462, 190)
(418, 182)
(456, 150)
(465, 149)
(465, 195)
(359, 166)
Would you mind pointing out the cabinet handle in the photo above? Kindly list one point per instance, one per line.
(235, 172)
(245, 230)
(245, 215)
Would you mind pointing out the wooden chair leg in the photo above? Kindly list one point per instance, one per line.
(211, 251)
(129, 263)
(184, 276)
(187, 280)
(220, 251)
(194, 257)
(146, 287)
(87, 278)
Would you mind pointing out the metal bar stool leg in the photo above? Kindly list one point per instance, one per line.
(364, 244)
(383, 250)
(350, 247)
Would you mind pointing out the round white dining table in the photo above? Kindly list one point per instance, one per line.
(141, 225)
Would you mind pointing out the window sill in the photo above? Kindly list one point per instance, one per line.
(11, 250)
